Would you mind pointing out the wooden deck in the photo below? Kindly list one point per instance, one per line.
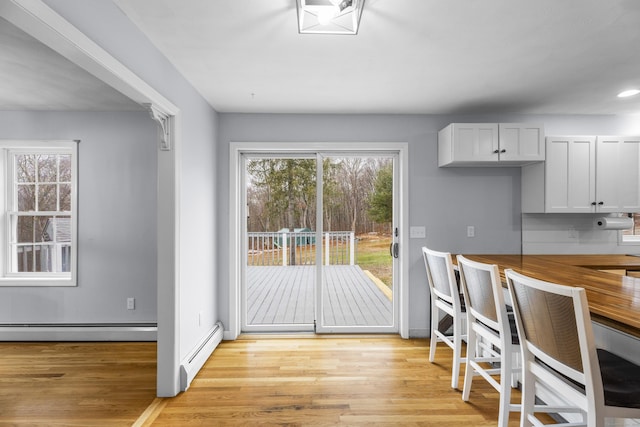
(285, 295)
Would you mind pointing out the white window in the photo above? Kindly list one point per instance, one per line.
(38, 207)
(632, 236)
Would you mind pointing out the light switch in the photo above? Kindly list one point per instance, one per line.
(417, 232)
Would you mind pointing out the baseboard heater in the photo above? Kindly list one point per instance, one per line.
(192, 364)
(79, 332)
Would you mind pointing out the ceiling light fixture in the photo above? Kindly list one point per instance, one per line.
(628, 93)
(329, 16)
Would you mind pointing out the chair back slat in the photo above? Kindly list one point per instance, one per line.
(479, 288)
(549, 323)
(439, 273)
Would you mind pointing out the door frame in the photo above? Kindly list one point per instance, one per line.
(236, 171)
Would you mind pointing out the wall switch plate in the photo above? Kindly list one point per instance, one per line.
(417, 232)
(471, 231)
(131, 303)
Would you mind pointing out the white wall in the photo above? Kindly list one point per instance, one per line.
(116, 220)
(445, 200)
(570, 234)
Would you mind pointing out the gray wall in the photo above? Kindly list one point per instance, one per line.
(116, 220)
(445, 200)
(104, 23)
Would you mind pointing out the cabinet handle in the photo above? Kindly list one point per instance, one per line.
(593, 203)
(601, 203)
(496, 151)
(503, 151)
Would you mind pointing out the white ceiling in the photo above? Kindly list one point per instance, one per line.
(410, 56)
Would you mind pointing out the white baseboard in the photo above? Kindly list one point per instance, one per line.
(419, 333)
(84, 332)
(191, 365)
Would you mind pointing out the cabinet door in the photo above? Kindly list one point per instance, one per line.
(477, 142)
(618, 174)
(521, 142)
(570, 174)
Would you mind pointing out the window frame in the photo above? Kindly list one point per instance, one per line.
(8, 148)
(629, 239)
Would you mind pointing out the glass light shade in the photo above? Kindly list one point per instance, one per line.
(329, 16)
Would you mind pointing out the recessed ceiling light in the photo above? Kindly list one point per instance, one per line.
(628, 93)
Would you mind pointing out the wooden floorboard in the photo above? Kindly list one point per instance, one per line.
(330, 381)
(286, 295)
(75, 384)
(312, 380)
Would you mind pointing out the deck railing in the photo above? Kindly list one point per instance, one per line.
(275, 248)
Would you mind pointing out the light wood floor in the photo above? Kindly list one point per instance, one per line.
(253, 381)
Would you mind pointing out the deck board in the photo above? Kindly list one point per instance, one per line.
(285, 295)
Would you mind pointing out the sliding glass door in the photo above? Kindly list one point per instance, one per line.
(359, 256)
(319, 242)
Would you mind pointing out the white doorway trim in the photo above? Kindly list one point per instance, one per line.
(43, 23)
(235, 215)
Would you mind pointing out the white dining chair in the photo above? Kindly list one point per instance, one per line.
(492, 339)
(561, 359)
(445, 299)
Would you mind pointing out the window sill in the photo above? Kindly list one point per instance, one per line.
(37, 282)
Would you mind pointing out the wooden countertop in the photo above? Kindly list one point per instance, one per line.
(614, 300)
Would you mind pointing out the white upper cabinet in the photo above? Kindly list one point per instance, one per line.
(618, 174)
(521, 142)
(570, 174)
(584, 174)
(490, 144)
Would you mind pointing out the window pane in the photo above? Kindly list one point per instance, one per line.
(25, 229)
(65, 168)
(65, 197)
(32, 229)
(56, 229)
(47, 197)
(45, 258)
(26, 197)
(25, 258)
(47, 168)
(25, 167)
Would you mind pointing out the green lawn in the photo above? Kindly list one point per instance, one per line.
(373, 255)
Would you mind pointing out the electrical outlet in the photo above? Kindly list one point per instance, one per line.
(471, 231)
(131, 303)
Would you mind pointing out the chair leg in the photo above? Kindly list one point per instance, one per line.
(506, 363)
(434, 339)
(528, 398)
(468, 370)
(457, 346)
